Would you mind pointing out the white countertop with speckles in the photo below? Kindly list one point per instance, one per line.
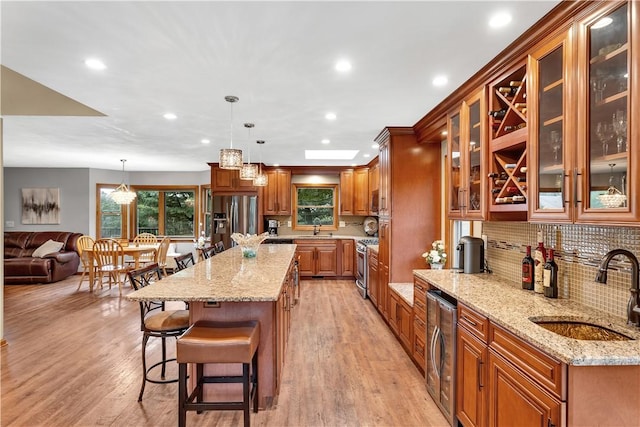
(405, 290)
(226, 276)
(511, 307)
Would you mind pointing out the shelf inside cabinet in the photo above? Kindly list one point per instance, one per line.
(607, 56)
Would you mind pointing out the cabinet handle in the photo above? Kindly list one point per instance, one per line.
(576, 174)
(549, 423)
(564, 177)
(419, 304)
(470, 321)
(480, 385)
(419, 287)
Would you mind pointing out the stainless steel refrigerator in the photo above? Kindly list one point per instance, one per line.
(234, 214)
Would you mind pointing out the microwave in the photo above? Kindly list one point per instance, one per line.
(374, 201)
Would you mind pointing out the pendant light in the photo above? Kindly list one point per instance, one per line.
(231, 158)
(248, 171)
(122, 195)
(261, 180)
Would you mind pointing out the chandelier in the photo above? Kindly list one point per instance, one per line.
(248, 170)
(231, 158)
(261, 179)
(122, 195)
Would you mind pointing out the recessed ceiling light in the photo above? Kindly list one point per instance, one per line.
(601, 23)
(325, 141)
(330, 116)
(366, 155)
(440, 80)
(330, 154)
(170, 116)
(353, 165)
(95, 64)
(375, 146)
(275, 165)
(500, 20)
(205, 141)
(343, 66)
(444, 133)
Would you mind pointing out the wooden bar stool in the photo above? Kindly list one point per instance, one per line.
(218, 342)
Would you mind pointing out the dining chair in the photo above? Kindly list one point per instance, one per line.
(219, 246)
(109, 256)
(209, 252)
(145, 239)
(161, 254)
(185, 260)
(83, 243)
(156, 322)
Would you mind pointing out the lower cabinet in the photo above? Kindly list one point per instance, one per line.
(283, 322)
(373, 281)
(419, 322)
(317, 257)
(347, 257)
(471, 360)
(400, 319)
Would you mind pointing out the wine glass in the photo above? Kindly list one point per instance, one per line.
(604, 132)
(556, 143)
(619, 123)
(599, 85)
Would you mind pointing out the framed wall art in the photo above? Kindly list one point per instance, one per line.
(41, 206)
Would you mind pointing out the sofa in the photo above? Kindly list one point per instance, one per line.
(20, 267)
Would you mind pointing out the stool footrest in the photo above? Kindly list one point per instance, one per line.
(222, 379)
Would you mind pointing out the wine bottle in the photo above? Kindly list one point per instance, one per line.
(492, 175)
(550, 278)
(539, 257)
(508, 91)
(499, 182)
(527, 270)
(515, 83)
(498, 114)
(522, 179)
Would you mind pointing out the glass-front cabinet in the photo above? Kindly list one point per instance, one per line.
(549, 154)
(466, 159)
(606, 151)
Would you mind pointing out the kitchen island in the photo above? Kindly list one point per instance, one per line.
(228, 287)
(522, 368)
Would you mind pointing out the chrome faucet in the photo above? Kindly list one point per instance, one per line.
(316, 230)
(633, 307)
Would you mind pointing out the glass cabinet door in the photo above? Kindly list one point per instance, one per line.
(549, 161)
(474, 168)
(607, 162)
(455, 165)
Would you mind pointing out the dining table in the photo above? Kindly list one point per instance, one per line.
(134, 251)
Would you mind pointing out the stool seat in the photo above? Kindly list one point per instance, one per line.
(218, 342)
(233, 342)
(167, 321)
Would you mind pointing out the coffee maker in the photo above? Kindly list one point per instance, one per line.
(272, 227)
(470, 255)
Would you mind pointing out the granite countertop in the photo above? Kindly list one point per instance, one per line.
(405, 290)
(318, 236)
(511, 307)
(226, 276)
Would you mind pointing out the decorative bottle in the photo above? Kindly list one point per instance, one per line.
(550, 277)
(528, 267)
(539, 258)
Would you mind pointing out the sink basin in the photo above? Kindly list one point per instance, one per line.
(581, 330)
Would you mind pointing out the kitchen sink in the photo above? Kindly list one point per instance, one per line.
(580, 330)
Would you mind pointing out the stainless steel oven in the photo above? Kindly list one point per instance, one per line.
(361, 264)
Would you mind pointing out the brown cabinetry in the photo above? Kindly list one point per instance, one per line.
(283, 322)
(354, 191)
(419, 322)
(227, 180)
(471, 395)
(317, 257)
(373, 287)
(276, 195)
(384, 242)
(467, 158)
(374, 186)
(400, 319)
(347, 256)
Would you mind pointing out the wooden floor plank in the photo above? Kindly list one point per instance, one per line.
(73, 359)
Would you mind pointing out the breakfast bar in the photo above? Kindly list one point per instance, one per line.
(229, 287)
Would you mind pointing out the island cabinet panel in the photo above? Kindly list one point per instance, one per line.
(283, 320)
(276, 196)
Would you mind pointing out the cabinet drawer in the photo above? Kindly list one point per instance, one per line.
(418, 351)
(419, 309)
(420, 290)
(541, 367)
(419, 328)
(476, 323)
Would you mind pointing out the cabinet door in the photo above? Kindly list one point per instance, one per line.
(405, 324)
(222, 179)
(347, 264)
(277, 193)
(474, 149)
(471, 366)
(374, 185)
(327, 260)
(607, 158)
(394, 312)
(550, 133)
(361, 192)
(384, 232)
(372, 280)
(384, 162)
(454, 167)
(514, 400)
(418, 347)
(346, 192)
(306, 262)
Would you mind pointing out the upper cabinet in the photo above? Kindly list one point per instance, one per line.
(277, 193)
(224, 180)
(466, 159)
(374, 185)
(354, 192)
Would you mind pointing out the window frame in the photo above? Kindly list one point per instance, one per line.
(123, 212)
(133, 212)
(335, 224)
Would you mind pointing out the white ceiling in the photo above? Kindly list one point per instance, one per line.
(277, 57)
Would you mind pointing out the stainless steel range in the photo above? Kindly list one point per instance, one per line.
(363, 269)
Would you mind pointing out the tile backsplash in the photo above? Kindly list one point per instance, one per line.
(578, 251)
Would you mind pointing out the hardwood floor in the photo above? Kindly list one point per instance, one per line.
(73, 359)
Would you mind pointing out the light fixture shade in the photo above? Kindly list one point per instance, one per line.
(261, 180)
(230, 158)
(122, 195)
(248, 171)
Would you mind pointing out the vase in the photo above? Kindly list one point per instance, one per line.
(436, 266)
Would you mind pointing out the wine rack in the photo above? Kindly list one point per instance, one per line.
(508, 143)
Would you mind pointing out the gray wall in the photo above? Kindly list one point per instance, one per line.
(78, 192)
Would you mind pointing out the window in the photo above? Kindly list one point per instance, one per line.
(110, 214)
(315, 205)
(207, 209)
(166, 211)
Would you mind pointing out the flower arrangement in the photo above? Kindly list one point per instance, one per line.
(436, 255)
(201, 242)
